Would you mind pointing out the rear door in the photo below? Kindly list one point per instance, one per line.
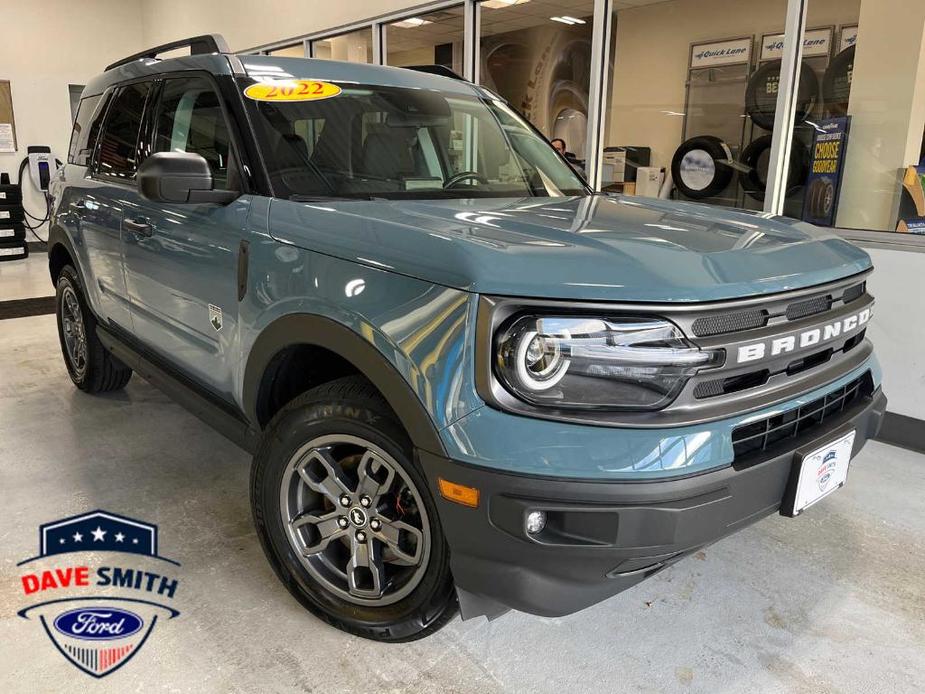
(181, 260)
(101, 196)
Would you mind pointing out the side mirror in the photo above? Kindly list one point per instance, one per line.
(179, 177)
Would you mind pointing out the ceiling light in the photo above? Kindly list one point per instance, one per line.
(412, 22)
(563, 20)
(500, 4)
(573, 20)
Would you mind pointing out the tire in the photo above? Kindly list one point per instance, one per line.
(92, 368)
(15, 232)
(10, 194)
(820, 198)
(755, 181)
(761, 94)
(836, 82)
(697, 169)
(13, 249)
(325, 435)
(11, 214)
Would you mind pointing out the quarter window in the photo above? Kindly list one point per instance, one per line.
(86, 129)
(190, 119)
(120, 135)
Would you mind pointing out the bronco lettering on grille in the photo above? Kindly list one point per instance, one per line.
(802, 340)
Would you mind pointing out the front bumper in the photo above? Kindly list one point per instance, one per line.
(603, 537)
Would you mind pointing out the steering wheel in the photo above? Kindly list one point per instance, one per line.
(452, 181)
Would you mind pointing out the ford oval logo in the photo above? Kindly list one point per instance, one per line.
(98, 623)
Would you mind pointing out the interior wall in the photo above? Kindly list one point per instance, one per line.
(47, 48)
(651, 57)
(895, 332)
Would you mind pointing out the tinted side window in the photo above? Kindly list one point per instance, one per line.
(80, 135)
(120, 134)
(190, 119)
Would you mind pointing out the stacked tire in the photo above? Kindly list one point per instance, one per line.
(13, 244)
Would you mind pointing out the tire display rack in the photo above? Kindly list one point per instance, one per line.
(13, 244)
(730, 110)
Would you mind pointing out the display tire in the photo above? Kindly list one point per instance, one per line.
(697, 169)
(820, 198)
(15, 232)
(96, 370)
(761, 93)
(10, 194)
(11, 214)
(754, 181)
(349, 408)
(13, 249)
(836, 82)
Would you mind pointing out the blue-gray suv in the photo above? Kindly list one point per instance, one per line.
(468, 381)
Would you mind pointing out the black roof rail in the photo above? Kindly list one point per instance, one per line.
(207, 43)
(441, 70)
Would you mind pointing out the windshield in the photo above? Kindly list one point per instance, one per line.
(390, 142)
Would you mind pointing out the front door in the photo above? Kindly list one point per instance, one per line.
(181, 259)
(98, 206)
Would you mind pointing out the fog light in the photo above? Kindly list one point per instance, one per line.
(536, 521)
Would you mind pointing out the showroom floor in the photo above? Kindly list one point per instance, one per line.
(831, 602)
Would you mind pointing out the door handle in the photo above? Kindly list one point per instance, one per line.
(80, 204)
(139, 226)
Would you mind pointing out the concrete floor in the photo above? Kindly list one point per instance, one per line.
(831, 602)
(25, 279)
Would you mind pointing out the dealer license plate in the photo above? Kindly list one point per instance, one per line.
(821, 472)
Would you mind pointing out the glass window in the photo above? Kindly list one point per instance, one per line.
(84, 134)
(864, 147)
(296, 50)
(435, 38)
(117, 151)
(537, 55)
(74, 92)
(389, 142)
(692, 100)
(355, 47)
(190, 119)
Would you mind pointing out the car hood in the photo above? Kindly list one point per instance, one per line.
(598, 247)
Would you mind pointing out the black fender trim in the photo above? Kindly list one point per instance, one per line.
(58, 237)
(318, 331)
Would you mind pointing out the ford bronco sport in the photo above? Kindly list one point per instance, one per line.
(468, 381)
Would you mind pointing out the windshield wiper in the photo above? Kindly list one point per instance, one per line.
(298, 197)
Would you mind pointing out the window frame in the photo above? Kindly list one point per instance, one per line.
(93, 170)
(152, 114)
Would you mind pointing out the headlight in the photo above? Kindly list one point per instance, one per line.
(605, 363)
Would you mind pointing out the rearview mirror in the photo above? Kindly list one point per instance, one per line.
(180, 177)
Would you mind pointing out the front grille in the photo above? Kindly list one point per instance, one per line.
(765, 435)
(729, 322)
(854, 293)
(809, 307)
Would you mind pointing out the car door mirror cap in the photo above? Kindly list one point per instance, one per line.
(180, 178)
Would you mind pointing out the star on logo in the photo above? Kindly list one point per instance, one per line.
(78, 537)
(119, 537)
(98, 534)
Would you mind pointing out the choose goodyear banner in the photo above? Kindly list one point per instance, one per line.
(824, 181)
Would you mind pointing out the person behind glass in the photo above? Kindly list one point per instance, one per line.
(558, 144)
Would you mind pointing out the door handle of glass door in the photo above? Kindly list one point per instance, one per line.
(139, 227)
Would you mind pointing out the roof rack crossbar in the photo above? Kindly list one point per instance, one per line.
(207, 43)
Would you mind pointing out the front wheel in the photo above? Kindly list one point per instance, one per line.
(345, 517)
(91, 367)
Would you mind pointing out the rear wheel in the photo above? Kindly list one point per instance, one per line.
(345, 517)
(90, 365)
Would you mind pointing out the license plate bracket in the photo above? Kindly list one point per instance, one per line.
(817, 473)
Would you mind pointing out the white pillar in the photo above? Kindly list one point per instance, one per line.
(887, 108)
